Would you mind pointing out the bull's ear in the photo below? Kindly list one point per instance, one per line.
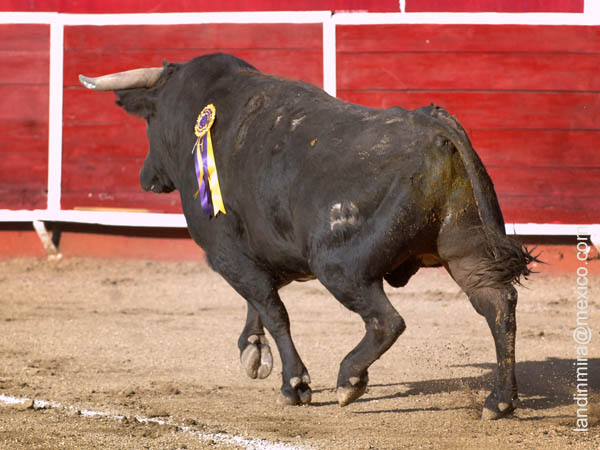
(141, 101)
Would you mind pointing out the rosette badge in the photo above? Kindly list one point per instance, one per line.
(206, 167)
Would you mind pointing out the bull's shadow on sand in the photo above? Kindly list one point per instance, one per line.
(542, 384)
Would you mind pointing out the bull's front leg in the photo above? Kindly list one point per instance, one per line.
(255, 353)
(265, 306)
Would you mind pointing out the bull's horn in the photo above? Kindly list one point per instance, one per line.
(136, 78)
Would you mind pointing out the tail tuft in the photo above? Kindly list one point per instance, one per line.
(506, 263)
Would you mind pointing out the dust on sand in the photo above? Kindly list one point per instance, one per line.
(149, 339)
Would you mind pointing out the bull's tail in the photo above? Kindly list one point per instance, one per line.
(506, 260)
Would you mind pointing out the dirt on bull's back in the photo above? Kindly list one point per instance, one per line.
(135, 354)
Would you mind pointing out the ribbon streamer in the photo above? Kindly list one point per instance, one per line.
(206, 168)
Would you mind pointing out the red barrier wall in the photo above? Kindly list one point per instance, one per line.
(527, 95)
(103, 147)
(141, 6)
(511, 6)
(24, 50)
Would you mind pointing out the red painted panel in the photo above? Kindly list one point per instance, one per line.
(282, 49)
(97, 173)
(27, 137)
(138, 6)
(126, 138)
(482, 71)
(20, 67)
(86, 107)
(24, 37)
(24, 116)
(553, 182)
(121, 200)
(305, 64)
(527, 95)
(542, 195)
(549, 209)
(569, 6)
(202, 37)
(537, 148)
(104, 148)
(468, 38)
(17, 167)
(503, 110)
(24, 168)
(25, 102)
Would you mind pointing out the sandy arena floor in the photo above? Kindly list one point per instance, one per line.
(158, 341)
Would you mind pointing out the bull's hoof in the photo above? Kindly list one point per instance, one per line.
(296, 392)
(353, 389)
(256, 358)
(494, 409)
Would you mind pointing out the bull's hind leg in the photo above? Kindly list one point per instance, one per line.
(383, 326)
(498, 306)
(255, 353)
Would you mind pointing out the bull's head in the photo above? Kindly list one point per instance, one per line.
(138, 94)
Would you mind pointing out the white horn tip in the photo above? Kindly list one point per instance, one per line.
(87, 82)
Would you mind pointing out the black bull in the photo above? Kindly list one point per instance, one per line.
(318, 188)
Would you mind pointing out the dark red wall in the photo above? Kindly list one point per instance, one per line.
(527, 95)
(24, 75)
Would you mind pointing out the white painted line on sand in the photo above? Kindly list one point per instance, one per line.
(223, 438)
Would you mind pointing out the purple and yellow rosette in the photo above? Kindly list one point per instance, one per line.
(206, 168)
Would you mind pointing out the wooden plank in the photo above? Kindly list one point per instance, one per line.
(167, 203)
(468, 38)
(568, 181)
(24, 177)
(24, 102)
(509, 6)
(26, 198)
(207, 37)
(28, 136)
(136, 6)
(25, 67)
(82, 106)
(481, 71)
(550, 209)
(24, 74)
(23, 171)
(537, 148)
(106, 174)
(306, 65)
(24, 37)
(124, 139)
(501, 110)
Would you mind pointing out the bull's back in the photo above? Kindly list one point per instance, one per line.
(311, 166)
